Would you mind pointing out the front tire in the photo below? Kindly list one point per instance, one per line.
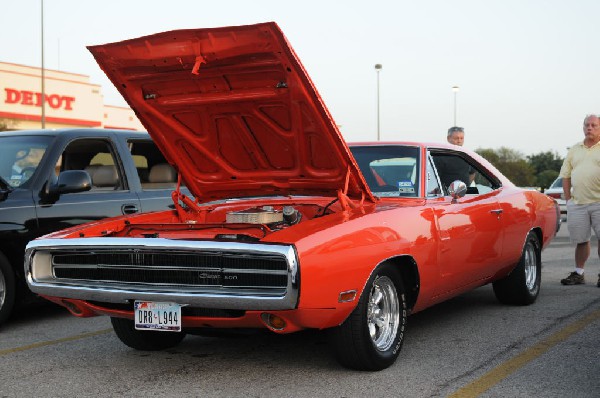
(372, 336)
(144, 340)
(7, 289)
(522, 285)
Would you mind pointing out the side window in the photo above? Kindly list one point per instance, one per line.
(452, 167)
(152, 167)
(433, 186)
(483, 183)
(97, 157)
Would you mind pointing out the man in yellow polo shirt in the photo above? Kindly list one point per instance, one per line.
(581, 184)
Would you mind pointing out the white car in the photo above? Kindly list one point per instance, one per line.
(556, 191)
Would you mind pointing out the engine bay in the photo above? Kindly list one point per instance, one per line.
(235, 220)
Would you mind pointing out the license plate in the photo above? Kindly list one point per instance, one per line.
(150, 315)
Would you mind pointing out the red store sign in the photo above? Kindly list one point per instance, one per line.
(24, 97)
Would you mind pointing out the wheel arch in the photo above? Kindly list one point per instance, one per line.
(537, 231)
(539, 234)
(409, 271)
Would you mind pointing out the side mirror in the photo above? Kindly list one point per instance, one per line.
(457, 189)
(71, 181)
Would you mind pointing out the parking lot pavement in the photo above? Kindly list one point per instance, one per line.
(470, 346)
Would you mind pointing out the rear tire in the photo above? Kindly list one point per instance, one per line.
(7, 289)
(372, 336)
(144, 340)
(522, 285)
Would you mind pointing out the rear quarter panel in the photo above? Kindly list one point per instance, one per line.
(524, 211)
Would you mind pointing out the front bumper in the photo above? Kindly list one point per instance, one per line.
(231, 275)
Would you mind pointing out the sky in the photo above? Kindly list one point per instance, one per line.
(528, 71)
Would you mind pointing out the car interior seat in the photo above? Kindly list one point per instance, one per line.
(161, 175)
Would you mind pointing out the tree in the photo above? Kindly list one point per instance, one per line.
(512, 164)
(545, 161)
(546, 177)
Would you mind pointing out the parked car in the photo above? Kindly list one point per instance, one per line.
(50, 180)
(555, 190)
(291, 228)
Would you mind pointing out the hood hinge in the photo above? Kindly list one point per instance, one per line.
(185, 206)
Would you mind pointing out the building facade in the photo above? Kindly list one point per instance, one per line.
(70, 101)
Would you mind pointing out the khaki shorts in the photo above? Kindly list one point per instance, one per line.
(581, 219)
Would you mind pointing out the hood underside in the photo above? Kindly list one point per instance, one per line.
(234, 110)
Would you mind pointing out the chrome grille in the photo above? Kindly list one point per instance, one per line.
(193, 269)
(204, 274)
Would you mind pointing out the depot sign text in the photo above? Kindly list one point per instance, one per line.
(24, 97)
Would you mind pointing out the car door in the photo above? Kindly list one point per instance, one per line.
(110, 194)
(157, 178)
(469, 228)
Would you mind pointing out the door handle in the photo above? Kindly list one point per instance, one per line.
(129, 209)
(497, 212)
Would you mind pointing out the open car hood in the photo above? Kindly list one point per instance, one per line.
(234, 110)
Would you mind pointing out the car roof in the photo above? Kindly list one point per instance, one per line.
(79, 132)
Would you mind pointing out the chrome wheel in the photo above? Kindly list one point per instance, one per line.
(383, 313)
(522, 285)
(7, 289)
(2, 289)
(371, 337)
(530, 265)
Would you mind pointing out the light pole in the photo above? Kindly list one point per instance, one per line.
(455, 89)
(377, 69)
(43, 94)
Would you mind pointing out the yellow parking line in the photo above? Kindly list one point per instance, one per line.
(504, 370)
(52, 342)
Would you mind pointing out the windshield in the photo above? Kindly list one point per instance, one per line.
(557, 183)
(20, 157)
(389, 170)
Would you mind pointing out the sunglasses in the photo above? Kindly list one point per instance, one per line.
(454, 129)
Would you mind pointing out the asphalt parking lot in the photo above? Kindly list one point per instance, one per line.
(467, 347)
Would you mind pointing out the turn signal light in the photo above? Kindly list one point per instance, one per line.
(347, 296)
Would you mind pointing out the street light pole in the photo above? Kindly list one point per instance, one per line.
(377, 69)
(43, 94)
(455, 89)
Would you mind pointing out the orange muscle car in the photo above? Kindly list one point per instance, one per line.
(289, 227)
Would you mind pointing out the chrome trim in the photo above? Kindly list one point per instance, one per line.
(40, 276)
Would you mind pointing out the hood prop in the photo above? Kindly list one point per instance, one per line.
(344, 199)
(184, 206)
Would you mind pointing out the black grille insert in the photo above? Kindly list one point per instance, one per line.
(214, 269)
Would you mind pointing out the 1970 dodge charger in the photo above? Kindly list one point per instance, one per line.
(290, 228)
